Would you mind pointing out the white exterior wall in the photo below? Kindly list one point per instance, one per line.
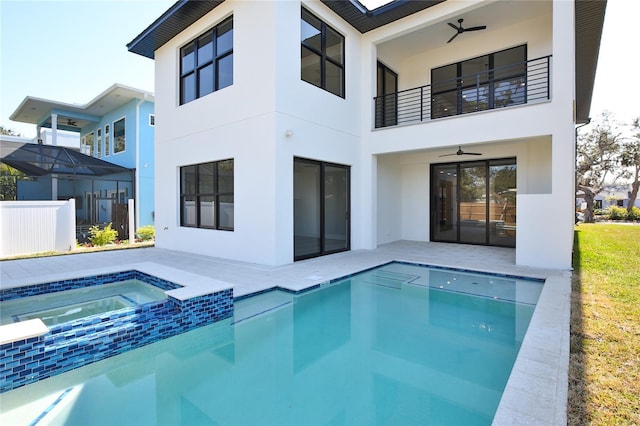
(249, 120)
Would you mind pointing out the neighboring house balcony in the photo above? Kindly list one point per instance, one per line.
(483, 83)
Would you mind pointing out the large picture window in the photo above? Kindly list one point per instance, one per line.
(206, 63)
(206, 195)
(322, 54)
(119, 140)
(491, 81)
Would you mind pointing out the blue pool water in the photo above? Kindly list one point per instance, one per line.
(401, 344)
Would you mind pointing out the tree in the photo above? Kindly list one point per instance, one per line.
(8, 175)
(598, 160)
(8, 132)
(630, 158)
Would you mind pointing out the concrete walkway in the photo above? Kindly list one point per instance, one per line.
(537, 389)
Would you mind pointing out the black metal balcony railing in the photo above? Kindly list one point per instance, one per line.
(500, 87)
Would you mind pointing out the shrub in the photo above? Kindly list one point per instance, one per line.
(617, 213)
(146, 233)
(101, 237)
(634, 214)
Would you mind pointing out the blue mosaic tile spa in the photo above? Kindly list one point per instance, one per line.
(82, 341)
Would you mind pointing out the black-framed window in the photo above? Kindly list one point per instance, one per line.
(491, 81)
(206, 63)
(206, 195)
(386, 96)
(321, 54)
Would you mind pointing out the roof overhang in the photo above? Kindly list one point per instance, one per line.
(74, 117)
(589, 16)
(589, 23)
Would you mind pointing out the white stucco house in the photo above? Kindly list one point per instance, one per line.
(293, 129)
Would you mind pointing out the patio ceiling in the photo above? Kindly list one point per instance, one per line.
(39, 160)
(74, 117)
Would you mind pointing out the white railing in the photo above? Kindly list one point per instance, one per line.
(28, 227)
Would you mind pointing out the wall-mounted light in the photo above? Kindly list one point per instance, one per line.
(288, 133)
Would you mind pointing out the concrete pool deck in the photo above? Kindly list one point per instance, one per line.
(536, 392)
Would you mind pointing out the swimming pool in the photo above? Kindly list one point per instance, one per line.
(400, 344)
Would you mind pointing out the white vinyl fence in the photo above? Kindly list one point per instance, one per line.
(28, 227)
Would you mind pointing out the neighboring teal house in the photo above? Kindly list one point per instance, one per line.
(117, 127)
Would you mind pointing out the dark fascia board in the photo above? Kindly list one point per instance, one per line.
(589, 22)
(176, 19)
(185, 12)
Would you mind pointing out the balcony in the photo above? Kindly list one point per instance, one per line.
(499, 87)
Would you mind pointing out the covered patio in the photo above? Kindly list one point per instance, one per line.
(101, 189)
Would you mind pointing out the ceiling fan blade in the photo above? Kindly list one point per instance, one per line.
(454, 36)
(482, 27)
(446, 155)
(471, 153)
(452, 26)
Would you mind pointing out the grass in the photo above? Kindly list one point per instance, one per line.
(604, 366)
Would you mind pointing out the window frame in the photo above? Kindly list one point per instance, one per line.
(107, 140)
(216, 194)
(322, 54)
(197, 69)
(91, 145)
(124, 132)
(99, 142)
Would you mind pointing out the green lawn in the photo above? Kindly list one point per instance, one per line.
(604, 367)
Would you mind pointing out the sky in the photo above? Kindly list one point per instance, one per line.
(72, 50)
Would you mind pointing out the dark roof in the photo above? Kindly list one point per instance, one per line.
(38, 160)
(363, 20)
(185, 12)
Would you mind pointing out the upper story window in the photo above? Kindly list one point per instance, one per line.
(491, 81)
(107, 146)
(322, 54)
(99, 143)
(206, 195)
(119, 140)
(206, 63)
(87, 144)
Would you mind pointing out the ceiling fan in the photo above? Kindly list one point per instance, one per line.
(461, 152)
(71, 122)
(460, 29)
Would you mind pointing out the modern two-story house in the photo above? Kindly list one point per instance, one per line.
(293, 129)
(115, 128)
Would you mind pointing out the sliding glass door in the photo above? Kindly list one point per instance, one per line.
(474, 202)
(320, 208)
